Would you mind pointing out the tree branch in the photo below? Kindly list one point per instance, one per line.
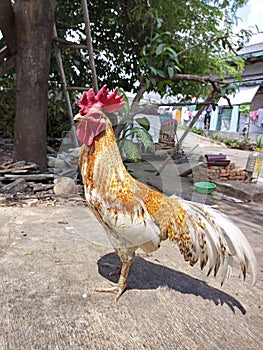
(7, 25)
(140, 93)
(63, 43)
(137, 98)
(198, 44)
(197, 78)
(201, 79)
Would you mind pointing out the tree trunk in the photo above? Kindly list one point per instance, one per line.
(34, 24)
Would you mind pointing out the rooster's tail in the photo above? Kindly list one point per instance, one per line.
(214, 239)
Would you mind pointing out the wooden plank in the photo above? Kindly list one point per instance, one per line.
(30, 177)
(21, 165)
(19, 169)
(15, 186)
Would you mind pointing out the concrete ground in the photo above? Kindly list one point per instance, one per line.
(52, 259)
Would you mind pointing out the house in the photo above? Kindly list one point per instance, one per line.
(250, 92)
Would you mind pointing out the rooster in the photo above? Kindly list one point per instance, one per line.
(135, 216)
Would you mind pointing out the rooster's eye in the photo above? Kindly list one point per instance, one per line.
(96, 116)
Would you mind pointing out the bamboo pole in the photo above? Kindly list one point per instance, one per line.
(64, 88)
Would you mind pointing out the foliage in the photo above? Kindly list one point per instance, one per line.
(142, 41)
(245, 109)
(7, 105)
(166, 64)
(196, 45)
(57, 120)
(145, 42)
(197, 131)
(149, 42)
(7, 112)
(233, 143)
(131, 133)
(259, 142)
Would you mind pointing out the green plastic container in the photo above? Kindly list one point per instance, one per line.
(205, 187)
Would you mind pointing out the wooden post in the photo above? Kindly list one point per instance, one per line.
(89, 45)
(188, 129)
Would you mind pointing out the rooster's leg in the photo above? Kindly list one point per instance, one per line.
(121, 286)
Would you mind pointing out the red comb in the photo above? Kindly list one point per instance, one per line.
(103, 100)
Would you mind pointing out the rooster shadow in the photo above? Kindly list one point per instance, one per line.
(148, 275)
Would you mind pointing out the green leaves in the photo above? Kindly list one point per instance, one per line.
(148, 41)
(145, 138)
(131, 150)
(133, 137)
(170, 72)
(160, 49)
(125, 109)
(144, 123)
(161, 60)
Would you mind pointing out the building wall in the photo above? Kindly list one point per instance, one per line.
(251, 76)
(258, 101)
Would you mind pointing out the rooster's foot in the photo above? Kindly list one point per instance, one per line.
(116, 288)
(115, 269)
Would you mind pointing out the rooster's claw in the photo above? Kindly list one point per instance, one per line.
(116, 288)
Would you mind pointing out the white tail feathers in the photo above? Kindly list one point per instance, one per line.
(216, 240)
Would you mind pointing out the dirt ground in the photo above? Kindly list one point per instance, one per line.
(52, 261)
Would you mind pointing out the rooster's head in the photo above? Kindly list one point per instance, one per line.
(92, 120)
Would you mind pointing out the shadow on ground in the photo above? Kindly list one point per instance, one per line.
(147, 275)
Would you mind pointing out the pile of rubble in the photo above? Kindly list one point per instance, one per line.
(229, 172)
(23, 184)
(218, 168)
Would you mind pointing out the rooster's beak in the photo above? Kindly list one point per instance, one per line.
(78, 117)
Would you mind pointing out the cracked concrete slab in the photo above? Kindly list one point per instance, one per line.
(50, 268)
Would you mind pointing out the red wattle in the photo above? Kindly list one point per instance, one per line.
(90, 127)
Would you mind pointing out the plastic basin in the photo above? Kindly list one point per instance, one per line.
(204, 187)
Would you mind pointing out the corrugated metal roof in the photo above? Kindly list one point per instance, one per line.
(244, 95)
(251, 49)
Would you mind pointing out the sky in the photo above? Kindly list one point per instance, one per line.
(251, 15)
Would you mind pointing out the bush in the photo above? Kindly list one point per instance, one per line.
(198, 131)
(232, 143)
(57, 116)
(7, 112)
